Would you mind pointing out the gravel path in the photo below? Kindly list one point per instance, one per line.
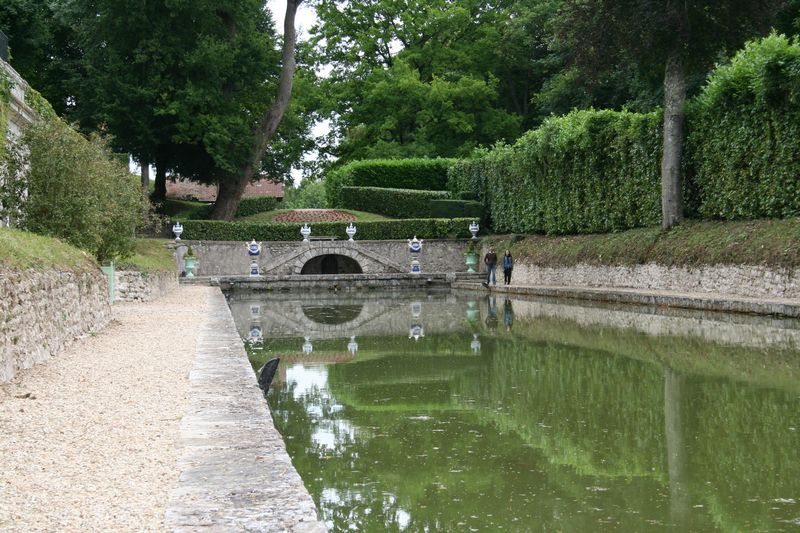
(89, 440)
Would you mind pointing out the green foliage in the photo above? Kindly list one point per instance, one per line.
(213, 230)
(456, 209)
(76, 191)
(421, 174)
(259, 204)
(309, 195)
(397, 203)
(587, 172)
(745, 134)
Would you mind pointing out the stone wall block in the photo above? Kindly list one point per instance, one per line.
(43, 312)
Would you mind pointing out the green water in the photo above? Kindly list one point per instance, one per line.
(524, 415)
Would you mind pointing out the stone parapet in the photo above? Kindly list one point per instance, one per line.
(43, 312)
(133, 286)
(230, 258)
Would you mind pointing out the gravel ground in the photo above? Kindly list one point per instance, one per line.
(89, 440)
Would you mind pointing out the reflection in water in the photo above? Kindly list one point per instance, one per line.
(571, 418)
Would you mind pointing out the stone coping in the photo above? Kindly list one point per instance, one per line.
(235, 472)
(727, 303)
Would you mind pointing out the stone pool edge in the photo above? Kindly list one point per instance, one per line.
(726, 303)
(235, 472)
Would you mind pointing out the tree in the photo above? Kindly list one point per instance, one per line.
(232, 184)
(678, 37)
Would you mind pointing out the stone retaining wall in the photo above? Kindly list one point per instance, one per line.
(43, 312)
(752, 281)
(135, 286)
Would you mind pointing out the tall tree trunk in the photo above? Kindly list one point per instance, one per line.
(674, 101)
(229, 194)
(145, 177)
(160, 193)
(231, 190)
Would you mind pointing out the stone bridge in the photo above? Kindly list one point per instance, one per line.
(282, 258)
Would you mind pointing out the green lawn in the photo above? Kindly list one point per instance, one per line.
(752, 242)
(23, 250)
(150, 255)
(269, 216)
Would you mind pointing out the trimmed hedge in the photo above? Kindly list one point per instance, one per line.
(398, 203)
(420, 174)
(258, 204)
(426, 228)
(744, 138)
(599, 171)
(586, 172)
(456, 209)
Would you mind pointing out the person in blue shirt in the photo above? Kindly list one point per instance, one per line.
(508, 266)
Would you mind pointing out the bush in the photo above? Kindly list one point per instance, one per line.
(398, 203)
(214, 230)
(420, 174)
(456, 209)
(744, 137)
(76, 191)
(258, 204)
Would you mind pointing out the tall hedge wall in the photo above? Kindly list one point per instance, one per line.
(421, 174)
(397, 203)
(426, 228)
(598, 171)
(586, 172)
(744, 139)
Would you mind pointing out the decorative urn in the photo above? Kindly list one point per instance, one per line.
(305, 231)
(177, 229)
(474, 228)
(254, 248)
(351, 231)
(352, 346)
(475, 345)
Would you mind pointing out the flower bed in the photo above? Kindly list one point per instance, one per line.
(315, 215)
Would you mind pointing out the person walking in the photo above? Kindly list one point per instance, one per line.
(490, 260)
(508, 266)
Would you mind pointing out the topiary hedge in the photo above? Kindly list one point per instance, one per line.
(586, 172)
(215, 230)
(598, 171)
(258, 204)
(744, 139)
(398, 203)
(420, 174)
(456, 209)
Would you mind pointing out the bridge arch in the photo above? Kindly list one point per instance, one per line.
(332, 264)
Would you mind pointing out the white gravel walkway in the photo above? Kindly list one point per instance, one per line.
(89, 440)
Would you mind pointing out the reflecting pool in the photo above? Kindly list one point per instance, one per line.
(462, 412)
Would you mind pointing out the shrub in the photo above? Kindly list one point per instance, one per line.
(398, 203)
(76, 191)
(214, 230)
(421, 174)
(456, 209)
(744, 135)
(258, 204)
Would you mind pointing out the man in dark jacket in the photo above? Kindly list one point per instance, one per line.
(491, 266)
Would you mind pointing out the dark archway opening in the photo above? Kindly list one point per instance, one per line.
(331, 264)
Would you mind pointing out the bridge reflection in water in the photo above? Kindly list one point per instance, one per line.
(562, 416)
